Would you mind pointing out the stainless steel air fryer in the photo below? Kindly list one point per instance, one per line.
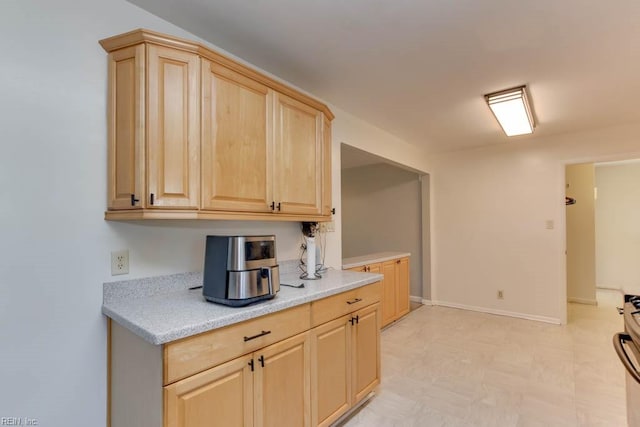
(240, 270)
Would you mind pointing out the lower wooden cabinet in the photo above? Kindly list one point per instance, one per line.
(331, 370)
(267, 388)
(403, 305)
(281, 384)
(291, 374)
(366, 352)
(220, 396)
(395, 290)
(394, 299)
(345, 363)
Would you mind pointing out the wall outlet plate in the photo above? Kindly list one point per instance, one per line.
(120, 262)
(500, 294)
(329, 226)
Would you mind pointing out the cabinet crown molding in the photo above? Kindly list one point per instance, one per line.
(142, 35)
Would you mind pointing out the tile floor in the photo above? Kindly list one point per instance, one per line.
(448, 367)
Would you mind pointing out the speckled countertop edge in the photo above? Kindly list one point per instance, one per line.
(162, 309)
(357, 261)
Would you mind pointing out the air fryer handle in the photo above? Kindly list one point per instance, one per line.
(265, 274)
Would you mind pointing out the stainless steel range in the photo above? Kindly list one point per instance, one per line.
(627, 345)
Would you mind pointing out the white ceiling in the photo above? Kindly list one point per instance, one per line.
(351, 157)
(419, 69)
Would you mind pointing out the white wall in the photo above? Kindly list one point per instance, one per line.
(382, 212)
(350, 130)
(54, 249)
(618, 226)
(489, 212)
(581, 234)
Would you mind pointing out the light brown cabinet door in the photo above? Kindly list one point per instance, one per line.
(282, 383)
(366, 351)
(237, 138)
(173, 129)
(297, 157)
(402, 285)
(389, 292)
(375, 268)
(326, 169)
(218, 397)
(331, 371)
(126, 127)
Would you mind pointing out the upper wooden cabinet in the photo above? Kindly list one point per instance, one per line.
(298, 157)
(126, 133)
(194, 134)
(154, 128)
(327, 204)
(173, 128)
(237, 141)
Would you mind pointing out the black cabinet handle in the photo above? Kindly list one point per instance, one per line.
(261, 334)
(352, 321)
(354, 301)
(357, 319)
(261, 360)
(278, 206)
(134, 200)
(251, 364)
(151, 198)
(333, 211)
(273, 206)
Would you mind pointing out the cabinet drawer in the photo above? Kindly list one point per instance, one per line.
(335, 306)
(195, 354)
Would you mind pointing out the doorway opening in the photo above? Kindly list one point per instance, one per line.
(385, 207)
(603, 232)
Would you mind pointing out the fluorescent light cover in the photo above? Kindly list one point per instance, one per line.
(511, 109)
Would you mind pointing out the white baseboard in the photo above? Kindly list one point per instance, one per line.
(544, 319)
(420, 300)
(582, 301)
(610, 288)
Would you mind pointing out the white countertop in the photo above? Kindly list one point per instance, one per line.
(357, 261)
(163, 309)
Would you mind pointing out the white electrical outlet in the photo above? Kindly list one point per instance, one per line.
(327, 227)
(120, 262)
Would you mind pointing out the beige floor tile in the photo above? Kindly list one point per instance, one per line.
(449, 367)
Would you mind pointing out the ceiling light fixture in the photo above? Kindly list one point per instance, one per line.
(512, 110)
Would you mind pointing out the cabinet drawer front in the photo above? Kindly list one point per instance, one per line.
(195, 354)
(335, 306)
